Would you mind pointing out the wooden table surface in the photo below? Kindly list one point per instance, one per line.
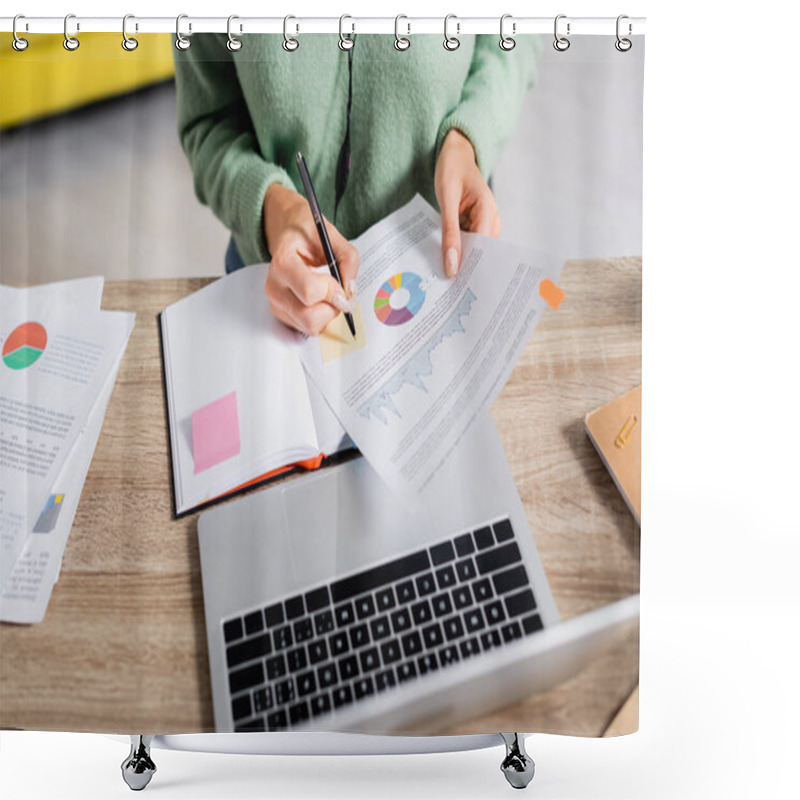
(123, 648)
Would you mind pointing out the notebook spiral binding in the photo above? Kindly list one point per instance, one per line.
(450, 42)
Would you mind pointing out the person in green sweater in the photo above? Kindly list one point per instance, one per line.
(375, 125)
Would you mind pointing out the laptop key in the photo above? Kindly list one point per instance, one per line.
(306, 683)
(245, 678)
(494, 613)
(342, 696)
(370, 659)
(453, 629)
(466, 569)
(462, 597)
(295, 607)
(282, 638)
(497, 558)
(317, 599)
(248, 650)
(380, 628)
(344, 615)
(323, 623)
(320, 704)
(473, 620)
(241, 708)
(422, 612)
(412, 644)
(277, 721)
(284, 692)
(365, 607)
(385, 680)
(448, 655)
(470, 647)
(442, 553)
(326, 676)
(233, 630)
(490, 639)
(433, 635)
(339, 644)
(446, 577)
(401, 620)
(425, 584)
(303, 630)
(509, 579)
(385, 599)
(296, 659)
(427, 663)
(441, 604)
(503, 530)
(359, 636)
(484, 538)
(406, 671)
(520, 603)
(254, 623)
(390, 651)
(276, 667)
(405, 592)
(348, 668)
(262, 699)
(274, 615)
(299, 713)
(511, 631)
(482, 590)
(317, 651)
(532, 624)
(364, 688)
(464, 545)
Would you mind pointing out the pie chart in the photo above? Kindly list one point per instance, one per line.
(399, 299)
(24, 345)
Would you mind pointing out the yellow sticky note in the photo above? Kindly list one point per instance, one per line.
(337, 341)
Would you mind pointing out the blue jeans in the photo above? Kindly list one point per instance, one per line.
(233, 259)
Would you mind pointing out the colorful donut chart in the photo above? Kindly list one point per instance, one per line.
(24, 345)
(390, 315)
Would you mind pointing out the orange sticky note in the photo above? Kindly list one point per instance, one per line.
(551, 293)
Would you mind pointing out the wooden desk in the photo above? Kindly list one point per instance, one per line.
(123, 648)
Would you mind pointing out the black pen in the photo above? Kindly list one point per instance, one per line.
(323, 232)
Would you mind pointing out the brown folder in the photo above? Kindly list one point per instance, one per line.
(616, 432)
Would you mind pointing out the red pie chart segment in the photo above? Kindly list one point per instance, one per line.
(24, 345)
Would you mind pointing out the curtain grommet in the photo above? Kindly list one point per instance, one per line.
(451, 43)
(70, 42)
(181, 42)
(560, 43)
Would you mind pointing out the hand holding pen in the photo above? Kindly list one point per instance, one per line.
(299, 296)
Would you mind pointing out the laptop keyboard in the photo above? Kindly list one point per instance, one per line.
(368, 633)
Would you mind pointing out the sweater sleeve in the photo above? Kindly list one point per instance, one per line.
(217, 135)
(491, 99)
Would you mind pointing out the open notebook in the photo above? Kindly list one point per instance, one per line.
(240, 408)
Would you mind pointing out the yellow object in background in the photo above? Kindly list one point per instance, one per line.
(46, 79)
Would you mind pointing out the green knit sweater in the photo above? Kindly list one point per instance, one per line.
(243, 116)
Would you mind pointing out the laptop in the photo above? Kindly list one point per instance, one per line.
(332, 603)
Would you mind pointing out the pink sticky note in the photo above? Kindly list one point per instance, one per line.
(215, 432)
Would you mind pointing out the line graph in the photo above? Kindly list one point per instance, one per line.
(418, 367)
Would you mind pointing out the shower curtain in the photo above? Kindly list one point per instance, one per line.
(159, 170)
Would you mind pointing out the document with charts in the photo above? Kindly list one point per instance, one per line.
(430, 352)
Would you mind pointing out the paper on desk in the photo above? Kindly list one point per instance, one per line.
(57, 356)
(27, 589)
(438, 351)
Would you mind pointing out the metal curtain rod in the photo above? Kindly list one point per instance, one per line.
(408, 25)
